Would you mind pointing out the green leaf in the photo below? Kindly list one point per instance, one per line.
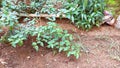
(20, 43)
(36, 48)
(34, 44)
(13, 44)
(41, 43)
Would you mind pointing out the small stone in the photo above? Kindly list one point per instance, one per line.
(42, 55)
(12, 51)
(111, 22)
(28, 57)
(107, 19)
(2, 61)
(47, 64)
(55, 60)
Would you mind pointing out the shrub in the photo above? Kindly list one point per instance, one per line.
(84, 13)
(51, 34)
(22, 7)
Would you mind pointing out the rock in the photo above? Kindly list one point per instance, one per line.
(107, 13)
(28, 57)
(2, 61)
(55, 60)
(108, 19)
(111, 22)
(117, 24)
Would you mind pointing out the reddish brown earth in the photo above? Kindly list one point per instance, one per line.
(101, 49)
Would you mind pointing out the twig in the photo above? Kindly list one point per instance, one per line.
(42, 15)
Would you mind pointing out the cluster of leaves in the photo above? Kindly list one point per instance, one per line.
(35, 6)
(50, 36)
(21, 7)
(32, 7)
(111, 2)
(53, 6)
(8, 18)
(84, 13)
(113, 6)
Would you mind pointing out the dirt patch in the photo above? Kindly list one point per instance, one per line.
(97, 45)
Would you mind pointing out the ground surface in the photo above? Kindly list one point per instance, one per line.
(101, 49)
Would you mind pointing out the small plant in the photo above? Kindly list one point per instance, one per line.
(8, 21)
(84, 13)
(22, 7)
(33, 7)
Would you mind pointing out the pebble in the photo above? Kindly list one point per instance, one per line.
(42, 55)
(108, 19)
(47, 64)
(55, 60)
(111, 22)
(28, 57)
(2, 61)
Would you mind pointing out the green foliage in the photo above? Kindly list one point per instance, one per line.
(50, 36)
(22, 7)
(84, 13)
(34, 6)
(113, 6)
(111, 2)
(8, 18)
